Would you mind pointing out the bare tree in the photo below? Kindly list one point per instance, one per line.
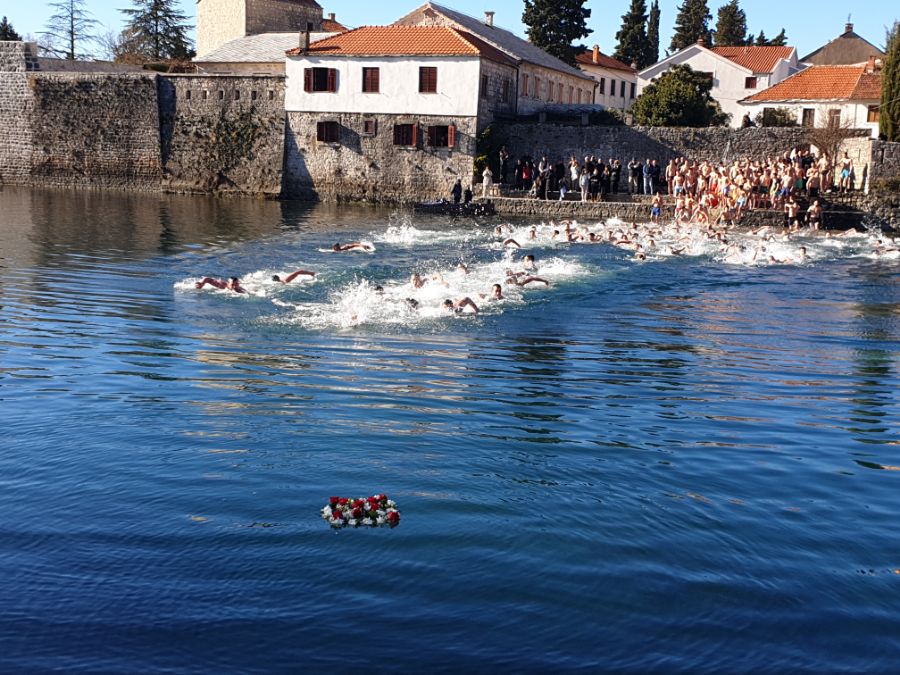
(69, 28)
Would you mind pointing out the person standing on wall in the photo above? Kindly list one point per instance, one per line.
(456, 191)
(487, 184)
(504, 165)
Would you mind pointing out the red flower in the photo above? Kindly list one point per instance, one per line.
(393, 518)
(357, 512)
(358, 503)
(343, 501)
(334, 501)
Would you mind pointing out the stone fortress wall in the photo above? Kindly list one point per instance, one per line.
(217, 134)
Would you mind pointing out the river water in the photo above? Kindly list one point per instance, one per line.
(679, 465)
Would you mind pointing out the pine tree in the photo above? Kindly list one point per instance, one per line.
(156, 30)
(652, 55)
(890, 88)
(68, 29)
(779, 40)
(691, 25)
(7, 32)
(731, 27)
(555, 25)
(632, 37)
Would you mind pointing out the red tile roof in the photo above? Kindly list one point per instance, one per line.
(757, 59)
(824, 83)
(586, 58)
(405, 41)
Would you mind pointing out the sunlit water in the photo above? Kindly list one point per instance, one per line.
(687, 464)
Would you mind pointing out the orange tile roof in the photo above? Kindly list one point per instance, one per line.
(757, 59)
(586, 58)
(869, 87)
(405, 41)
(823, 83)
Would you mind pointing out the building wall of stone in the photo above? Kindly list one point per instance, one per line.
(501, 81)
(538, 95)
(238, 68)
(885, 160)
(281, 16)
(222, 133)
(94, 130)
(370, 167)
(219, 21)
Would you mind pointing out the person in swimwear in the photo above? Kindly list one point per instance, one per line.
(495, 294)
(293, 275)
(352, 246)
(233, 284)
(522, 279)
(459, 306)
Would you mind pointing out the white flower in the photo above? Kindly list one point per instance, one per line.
(380, 520)
(367, 521)
(326, 512)
(351, 522)
(390, 503)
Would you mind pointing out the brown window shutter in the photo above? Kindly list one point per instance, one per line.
(415, 135)
(332, 79)
(451, 136)
(308, 80)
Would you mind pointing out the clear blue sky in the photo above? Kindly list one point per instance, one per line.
(809, 23)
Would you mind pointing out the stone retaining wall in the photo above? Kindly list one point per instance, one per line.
(222, 133)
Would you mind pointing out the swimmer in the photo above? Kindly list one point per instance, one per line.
(293, 275)
(528, 262)
(495, 294)
(517, 279)
(512, 242)
(352, 246)
(532, 233)
(233, 284)
(459, 306)
(461, 268)
(416, 281)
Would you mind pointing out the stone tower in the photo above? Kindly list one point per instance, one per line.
(219, 21)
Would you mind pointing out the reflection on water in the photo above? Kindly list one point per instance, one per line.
(610, 473)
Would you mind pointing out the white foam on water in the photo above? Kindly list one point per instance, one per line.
(408, 235)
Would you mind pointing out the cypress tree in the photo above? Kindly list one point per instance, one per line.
(7, 32)
(779, 40)
(761, 40)
(731, 27)
(632, 37)
(555, 25)
(691, 25)
(653, 35)
(890, 88)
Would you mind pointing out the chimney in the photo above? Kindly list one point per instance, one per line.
(489, 18)
(331, 16)
(870, 66)
(848, 27)
(304, 42)
(701, 41)
(596, 56)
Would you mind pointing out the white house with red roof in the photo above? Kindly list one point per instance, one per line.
(616, 81)
(839, 95)
(736, 72)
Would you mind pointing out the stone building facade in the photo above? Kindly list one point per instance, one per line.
(220, 21)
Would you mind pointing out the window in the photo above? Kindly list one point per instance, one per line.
(371, 81)
(504, 92)
(406, 134)
(187, 95)
(550, 86)
(571, 95)
(370, 127)
(328, 132)
(834, 117)
(221, 95)
(537, 87)
(579, 96)
(484, 86)
(237, 95)
(525, 85)
(254, 95)
(874, 114)
(319, 79)
(708, 76)
(427, 80)
(205, 94)
(442, 136)
(271, 95)
(603, 86)
(749, 83)
(622, 89)
(809, 117)
(633, 89)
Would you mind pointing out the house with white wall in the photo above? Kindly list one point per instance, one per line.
(616, 81)
(838, 95)
(544, 82)
(735, 72)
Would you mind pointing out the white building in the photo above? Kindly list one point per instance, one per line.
(616, 81)
(846, 96)
(736, 72)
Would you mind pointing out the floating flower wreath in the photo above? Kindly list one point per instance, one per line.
(374, 511)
